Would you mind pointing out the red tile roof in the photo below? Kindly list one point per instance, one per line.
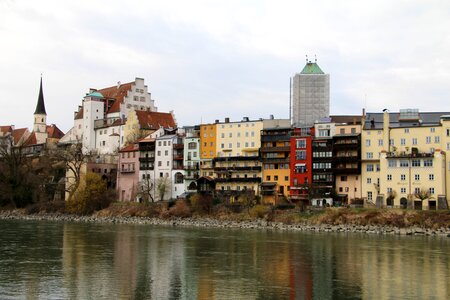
(130, 148)
(79, 114)
(154, 120)
(31, 140)
(18, 134)
(117, 93)
(54, 132)
(5, 129)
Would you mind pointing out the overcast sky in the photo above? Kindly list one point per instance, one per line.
(209, 60)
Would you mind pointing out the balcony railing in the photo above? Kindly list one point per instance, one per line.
(178, 146)
(240, 179)
(146, 159)
(127, 170)
(276, 149)
(231, 169)
(275, 138)
(403, 154)
(178, 157)
(237, 158)
(191, 167)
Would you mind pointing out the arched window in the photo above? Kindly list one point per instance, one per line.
(178, 177)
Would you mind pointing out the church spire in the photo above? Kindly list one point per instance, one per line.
(40, 107)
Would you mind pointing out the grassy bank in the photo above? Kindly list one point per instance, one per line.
(332, 216)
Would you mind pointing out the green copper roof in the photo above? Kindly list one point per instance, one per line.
(312, 68)
(96, 95)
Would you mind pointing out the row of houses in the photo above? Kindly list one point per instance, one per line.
(387, 159)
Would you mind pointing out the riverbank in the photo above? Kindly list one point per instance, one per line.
(229, 222)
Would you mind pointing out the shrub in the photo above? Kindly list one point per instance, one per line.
(180, 210)
(201, 203)
(259, 211)
(91, 197)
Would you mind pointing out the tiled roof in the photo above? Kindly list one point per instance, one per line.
(54, 132)
(79, 114)
(117, 93)
(18, 134)
(31, 140)
(155, 120)
(5, 129)
(130, 148)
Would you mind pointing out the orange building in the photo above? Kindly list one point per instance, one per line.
(207, 148)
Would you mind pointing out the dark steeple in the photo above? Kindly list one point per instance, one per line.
(40, 107)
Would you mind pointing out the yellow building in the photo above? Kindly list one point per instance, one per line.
(404, 163)
(207, 148)
(237, 166)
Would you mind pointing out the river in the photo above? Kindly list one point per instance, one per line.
(56, 260)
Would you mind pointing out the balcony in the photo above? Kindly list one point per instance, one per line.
(189, 168)
(276, 149)
(147, 147)
(191, 177)
(178, 167)
(347, 170)
(237, 158)
(127, 170)
(345, 158)
(240, 179)
(237, 169)
(146, 159)
(178, 157)
(275, 138)
(403, 154)
(276, 160)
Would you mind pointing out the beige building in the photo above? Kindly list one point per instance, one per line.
(404, 161)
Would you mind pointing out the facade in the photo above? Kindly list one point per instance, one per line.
(207, 148)
(301, 164)
(404, 161)
(310, 95)
(128, 173)
(146, 189)
(275, 154)
(191, 156)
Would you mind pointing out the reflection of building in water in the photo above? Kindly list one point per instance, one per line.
(416, 272)
(126, 248)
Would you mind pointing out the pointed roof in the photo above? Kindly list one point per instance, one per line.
(17, 134)
(312, 68)
(54, 132)
(40, 106)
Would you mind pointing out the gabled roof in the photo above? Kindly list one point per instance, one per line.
(311, 68)
(154, 120)
(54, 132)
(116, 92)
(6, 129)
(17, 134)
(31, 140)
(130, 148)
(40, 106)
(79, 114)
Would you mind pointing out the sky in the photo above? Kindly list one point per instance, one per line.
(207, 59)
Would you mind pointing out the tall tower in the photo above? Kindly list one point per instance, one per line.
(40, 118)
(310, 95)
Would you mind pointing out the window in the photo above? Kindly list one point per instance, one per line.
(389, 177)
(448, 132)
(432, 129)
(403, 190)
(389, 190)
(166, 152)
(416, 190)
(415, 163)
(414, 141)
(391, 142)
(403, 142)
(428, 139)
(286, 178)
(448, 146)
(275, 178)
(238, 145)
(369, 155)
(222, 135)
(392, 163)
(369, 180)
(380, 142)
(369, 168)
(230, 134)
(404, 163)
(427, 162)
(437, 139)
(431, 176)
(253, 133)
(402, 177)
(431, 191)
(343, 178)
(159, 163)
(368, 143)
(353, 130)
(406, 130)
(300, 154)
(416, 177)
(301, 143)
(268, 177)
(222, 145)
(369, 196)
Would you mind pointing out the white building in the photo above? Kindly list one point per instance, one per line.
(99, 121)
(191, 158)
(310, 95)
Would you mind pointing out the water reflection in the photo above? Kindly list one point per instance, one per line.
(81, 261)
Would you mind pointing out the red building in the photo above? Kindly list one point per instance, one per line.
(301, 163)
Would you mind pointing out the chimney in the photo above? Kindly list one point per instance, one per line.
(118, 84)
(216, 121)
(245, 119)
(271, 117)
(227, 120)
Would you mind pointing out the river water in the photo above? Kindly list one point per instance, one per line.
(56, 260)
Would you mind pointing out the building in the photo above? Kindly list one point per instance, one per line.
(191, 157)
(128, 173)
(275, 154)
(301, 164)
(310, 95)
(207, 148)
(404, 163)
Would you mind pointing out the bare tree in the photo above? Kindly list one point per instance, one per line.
(163, 186)
(146, 189)
(73, 158)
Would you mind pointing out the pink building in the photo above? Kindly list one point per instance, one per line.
(128, 173)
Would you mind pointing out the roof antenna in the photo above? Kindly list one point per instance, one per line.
(315, 58)
(307, 58)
